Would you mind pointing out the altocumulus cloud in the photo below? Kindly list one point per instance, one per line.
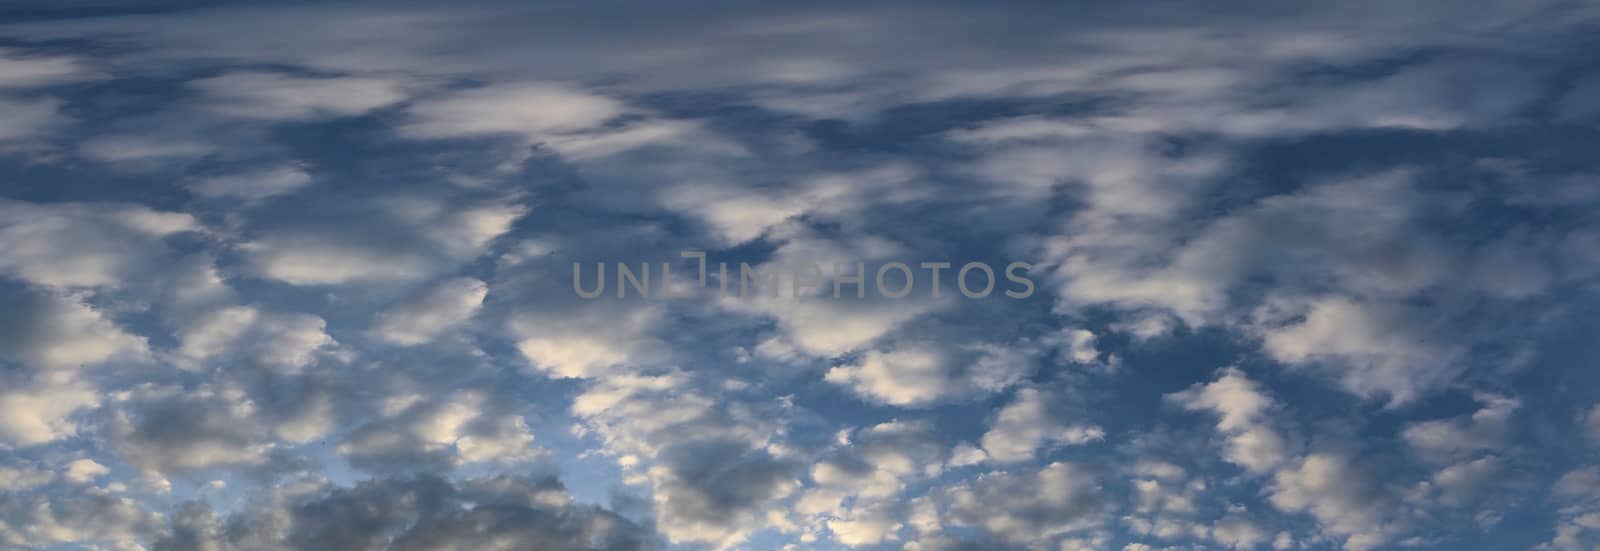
(298, 276)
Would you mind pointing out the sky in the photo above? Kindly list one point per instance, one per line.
(1261, 276)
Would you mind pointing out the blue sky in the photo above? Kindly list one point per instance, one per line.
(299, 276)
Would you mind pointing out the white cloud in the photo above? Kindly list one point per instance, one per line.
(23, 120)
(1027, 425)
(284, 342)
(1591, 422)
(61, 333)
(1237, 531)
(905, 376)
(84, 471)
(280, 96)
(257, 184)
(1375, 346)
(163, 430)
(308, 260)
(1252, 442)
(458, 429)
(589, 343)
(427, 315)
(535, 112)
(113, 522)
(1463, 481)
(1446, 439)
(21, 70)
(1344, 500)
(391, 240)
(125, 148)
(86, 244)
(41, 413)
(1029, 505)
(21, 477)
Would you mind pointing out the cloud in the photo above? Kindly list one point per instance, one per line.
(1484, 430)
(39, 413)
(1243, 418)
(26, 120)
(83, 471)
(1027, 425)
(309, 262)
(855, 489)
(249, 337)
(436, 310)
(55, 332)
(1348, 501)
(278, 96)
(169, 430)
(1030, 505)
(115, 522)
(387, 240)
(19, 69)
(902, 377)
(714, 468)
(69, 245)
(413, 513)
(257, 184)
(144, 149)
(1237, 531)
(463, 428)
(1345, 500)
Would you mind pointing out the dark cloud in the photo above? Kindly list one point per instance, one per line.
(416, 513)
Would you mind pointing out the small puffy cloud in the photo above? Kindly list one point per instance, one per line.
(25, 120)
(1590, 422)
(865, 526)
(672, 436)
(412, 513)
(18, 69)
(1577, 493)
(905, 376)
(826, 328)
(40, 413)
(856, 488)
(1079, 345)
(243, 334)
(427, 315)
(1237, 531)
(22, 120)
(90, 519)
(1027, 425)
(1375, 346)
(588, 343)
(166, 430)
(1462, 481)
(393, 239)
(1242, 409)
(1445, 439)
(53, 332)
(535, 112)
(84, 471)
(879, 461)
(1029, 505)
(461, 428)
(86, 244)
(1345, 500)
(21, 477)
(279, 96)
(1581, 483)
(307, 259)
(134, 148)
(254, 184)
